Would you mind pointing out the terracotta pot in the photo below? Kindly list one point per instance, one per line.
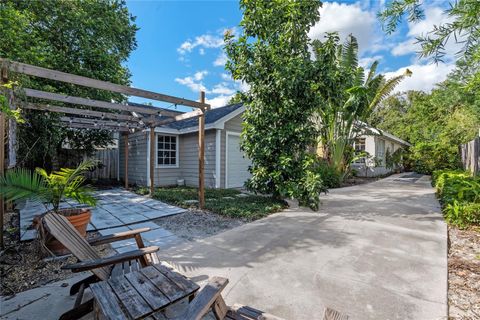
(79, 218)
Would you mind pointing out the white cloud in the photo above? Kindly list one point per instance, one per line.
(434, 16)
(219, 101)
(200, 75)
(202, 41)
(201, 51)
(405, 47)
(424, 77)
(346, 19)
(367, 61)
(223, 89)
(220, 60)
(194, 82)
(226, 77)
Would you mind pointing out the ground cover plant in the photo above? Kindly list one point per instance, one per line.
(459, 193)
(226, 202)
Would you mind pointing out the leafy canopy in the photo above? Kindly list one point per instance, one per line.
(85, 37)
(463, 25)
(272, 56)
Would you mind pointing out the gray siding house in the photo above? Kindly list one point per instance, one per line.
(177, 152)
(225, 164)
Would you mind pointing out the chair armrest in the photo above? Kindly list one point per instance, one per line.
(205, 298)
(121, 257)
(109, 238)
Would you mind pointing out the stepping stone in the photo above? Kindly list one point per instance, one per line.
(130, 217)
(105, 232)
(126, 248)
(156, 235)
(148, 224)
(190, 201)
(28, 234)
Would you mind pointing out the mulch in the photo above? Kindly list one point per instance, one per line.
(24, 265)
(464, 273)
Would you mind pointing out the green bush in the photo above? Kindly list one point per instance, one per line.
(459, 193)
(462, 214)
(330, 177)
(426, 157)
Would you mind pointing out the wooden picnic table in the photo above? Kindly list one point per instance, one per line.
(141, 294)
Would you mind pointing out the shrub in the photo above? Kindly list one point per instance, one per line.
(462, 214)
(426, 157)
(459, 194)
(330, 177)
(457, 185)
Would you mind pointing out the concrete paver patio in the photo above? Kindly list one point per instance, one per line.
(374, 251)
(116, 207)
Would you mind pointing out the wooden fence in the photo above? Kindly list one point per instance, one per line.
(109, 164)
(471, 156)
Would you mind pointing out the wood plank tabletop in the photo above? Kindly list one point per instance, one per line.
(142, 293)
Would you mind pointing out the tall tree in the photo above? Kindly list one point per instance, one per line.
(347, 97)
(92, 38)
(463, 26)
(272, 56)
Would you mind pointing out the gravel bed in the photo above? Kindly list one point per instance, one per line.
(197, 224)
(464, 273)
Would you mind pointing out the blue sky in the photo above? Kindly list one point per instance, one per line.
(180, 45)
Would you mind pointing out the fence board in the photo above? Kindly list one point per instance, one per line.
(471, 156)
(109, 160)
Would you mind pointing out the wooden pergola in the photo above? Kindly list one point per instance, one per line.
(112, 116)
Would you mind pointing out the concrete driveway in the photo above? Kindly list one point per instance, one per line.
(374, 251)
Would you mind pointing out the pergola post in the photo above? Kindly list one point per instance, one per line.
(3, 79)
(125, 139)
(152, 160)
(201, 154)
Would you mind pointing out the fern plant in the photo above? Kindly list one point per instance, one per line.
(48, 188)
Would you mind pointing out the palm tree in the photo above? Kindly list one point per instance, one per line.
(20, 183)
(347, 98)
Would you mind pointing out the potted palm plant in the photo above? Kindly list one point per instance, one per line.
(50, 189)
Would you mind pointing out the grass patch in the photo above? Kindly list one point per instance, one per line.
(225, 202)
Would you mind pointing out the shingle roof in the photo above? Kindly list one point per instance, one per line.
(211, 116)
(152, 107)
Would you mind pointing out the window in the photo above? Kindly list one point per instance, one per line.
(167, 148)
(380, 149)
(359, 146)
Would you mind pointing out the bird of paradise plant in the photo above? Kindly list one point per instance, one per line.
(348, 98)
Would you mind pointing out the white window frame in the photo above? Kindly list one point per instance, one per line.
(362, 159)
(177, 162)
(380, 154)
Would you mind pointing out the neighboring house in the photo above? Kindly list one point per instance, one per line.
(225, 164)
(375, 143)
(177, 152)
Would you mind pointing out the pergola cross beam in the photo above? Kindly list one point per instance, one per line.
(82, 112)
(97, 84)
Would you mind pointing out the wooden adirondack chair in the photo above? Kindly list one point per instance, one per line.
(89, 260)
(209, 299)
